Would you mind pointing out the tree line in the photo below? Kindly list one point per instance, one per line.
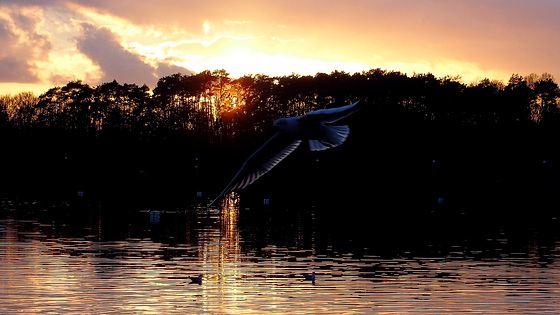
(191, 133)
(211, 104)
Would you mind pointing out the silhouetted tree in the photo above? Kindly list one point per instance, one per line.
(123, 107)
(68, 107)
(517, 100)
(4, 118)
(546, 100)
(19, 110)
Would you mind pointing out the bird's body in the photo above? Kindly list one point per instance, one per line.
(309, 277)
(300, 130)
(315, 127)
(196, 280)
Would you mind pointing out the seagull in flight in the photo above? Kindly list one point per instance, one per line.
(315, 127)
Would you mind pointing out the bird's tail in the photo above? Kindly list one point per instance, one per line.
(333, 136)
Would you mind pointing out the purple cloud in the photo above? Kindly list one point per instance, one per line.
(103, 48)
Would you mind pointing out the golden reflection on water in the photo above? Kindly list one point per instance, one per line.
(220, 251)
(138, 276)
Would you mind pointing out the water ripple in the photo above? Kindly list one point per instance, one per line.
(42, 274)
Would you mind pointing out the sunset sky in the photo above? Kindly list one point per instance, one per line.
(49, 43)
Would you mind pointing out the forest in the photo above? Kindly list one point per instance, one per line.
(417, 138)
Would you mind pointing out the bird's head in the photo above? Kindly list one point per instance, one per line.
(280, 123)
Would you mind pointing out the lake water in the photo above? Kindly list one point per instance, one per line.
(54, 261)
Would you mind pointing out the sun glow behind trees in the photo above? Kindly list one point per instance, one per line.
(240, 63)
(212, 103)
(54, 42)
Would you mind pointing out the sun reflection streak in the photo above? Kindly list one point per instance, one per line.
(229, 217)
(221, 253)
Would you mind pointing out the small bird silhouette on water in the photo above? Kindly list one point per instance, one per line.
(196, 280)
(315, 127)
(309, 277)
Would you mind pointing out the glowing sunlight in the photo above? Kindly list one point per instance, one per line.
(242, 63)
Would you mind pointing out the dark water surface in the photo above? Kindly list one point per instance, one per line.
(54, 261)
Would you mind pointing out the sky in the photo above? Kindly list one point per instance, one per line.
(49, 43)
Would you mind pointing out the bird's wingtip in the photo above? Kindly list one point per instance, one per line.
(211, 204)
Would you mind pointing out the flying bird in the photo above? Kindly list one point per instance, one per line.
(315, 127)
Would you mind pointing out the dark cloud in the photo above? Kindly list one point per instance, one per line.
(14, 69)
(103, 48)
(165, 69)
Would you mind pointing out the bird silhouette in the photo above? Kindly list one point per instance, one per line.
(196, 280)
(315, 127)
(309, 277)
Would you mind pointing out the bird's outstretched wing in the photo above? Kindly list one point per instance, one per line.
(331, 135)
(330, 115)
(261, 161)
